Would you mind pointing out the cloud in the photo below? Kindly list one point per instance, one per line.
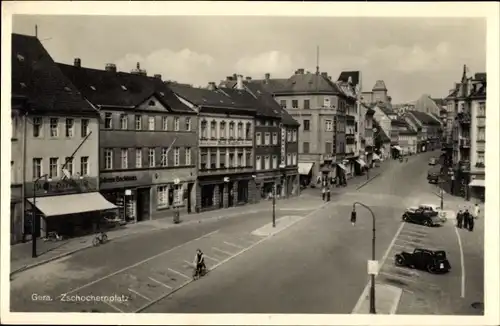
(181, 66)
(273, 62)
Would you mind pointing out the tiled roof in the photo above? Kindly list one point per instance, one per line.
(344, 76)
(386, 109)
(380, 132)
(270, 85)
(36, 76)
(303, 83)
(424, 118)
(480, 92)
(379, 86)
(120, 89)
(439, 101)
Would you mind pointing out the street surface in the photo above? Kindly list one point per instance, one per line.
(317, 265)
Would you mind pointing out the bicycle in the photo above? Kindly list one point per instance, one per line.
(53, 236)
(100, 238)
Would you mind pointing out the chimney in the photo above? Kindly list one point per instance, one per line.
(324, 74)
(248, 78)
(229, 78)
(211, 86)
(158, 76)
(300, 71)
(239, 82)
(78, 62)
(111, 67)
(138, 66)
(267, 76)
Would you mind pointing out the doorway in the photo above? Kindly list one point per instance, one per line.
(143, 201)
(190, 188)
(230, 194)
(221, 195)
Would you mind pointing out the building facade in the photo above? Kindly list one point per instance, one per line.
(55, 134)
(429, 129)
(148, 142)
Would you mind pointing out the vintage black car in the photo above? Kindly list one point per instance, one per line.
(423, 259)
(421, 216)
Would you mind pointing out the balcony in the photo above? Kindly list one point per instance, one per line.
(481, 122)
(350, 119)
(464, 165)
(480, 147)
(326, 157)
(350, 138)
(231, 142)
(463, 118)
(234, 170)
(465, 143)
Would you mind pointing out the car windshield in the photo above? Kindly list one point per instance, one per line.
(440, 254)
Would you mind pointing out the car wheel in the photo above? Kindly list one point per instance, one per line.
(400, 261)
(405, 218)
(427, 223)
(431, 269)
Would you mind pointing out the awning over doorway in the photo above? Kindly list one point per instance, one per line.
(361, 162)
(375, 157)
(72, 204)
(397, 147)
(342, 166)
(305, 168)
(477, 183)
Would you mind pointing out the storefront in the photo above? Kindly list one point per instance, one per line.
(396, 151)
(478, 187)
(360, 165)
(341, 174)
(265, 183)
(305, 172)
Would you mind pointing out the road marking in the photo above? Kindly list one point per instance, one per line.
(113, 306)
(233, 245)
(416, 244)
(401, 246)
(141, 295)
(413, 234)
(211, 258)
(362, 298)
(406, 270)
(190, 264)
(396, 276)
(161, 283)
(179, 273)
(462, 264)
(136, 264)
(220, 250)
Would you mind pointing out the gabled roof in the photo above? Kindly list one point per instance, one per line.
(308, 83)
(380, 132)
(344, 76)
(424, 118)
(120, 89)
(270, 85)
(37, 77)
(439, 101)
(379, 86)
(386, 109)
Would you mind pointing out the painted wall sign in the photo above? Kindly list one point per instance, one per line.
(118, 179)
(60, 187)
(283, 146)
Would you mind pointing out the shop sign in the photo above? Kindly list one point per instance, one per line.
(118, 179)
(283, 146)
(66, 186)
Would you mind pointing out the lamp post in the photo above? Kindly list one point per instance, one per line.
(274, 203)
(373, 262)
(33, 212)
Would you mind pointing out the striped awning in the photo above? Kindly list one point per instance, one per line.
(477, 183)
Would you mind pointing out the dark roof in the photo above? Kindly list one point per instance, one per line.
(454, 92)
(379, 86)
(36, 76)
(385, 108)
(424, 118)
(120, 89)
(480, 92)
(380, 132)
(480, 76)
(439, 101)
(270, 85)
(399, 122)
(344, 76)
(303, 83)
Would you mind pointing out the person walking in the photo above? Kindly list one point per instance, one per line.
(323, 193)
(328, 194)
(471, 222)
(466, 219)
(477, 211)
(460, 217)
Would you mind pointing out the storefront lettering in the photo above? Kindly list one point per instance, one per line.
(63, 186)
(283, 145)
(118, 179)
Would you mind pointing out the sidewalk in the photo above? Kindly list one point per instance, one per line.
(21, 259)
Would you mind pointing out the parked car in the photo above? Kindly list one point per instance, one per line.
(421, 216)
(434, 208)
(432, 261)
(433, 174)
(433, 161)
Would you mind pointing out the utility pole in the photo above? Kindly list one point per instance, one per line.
(36, 31)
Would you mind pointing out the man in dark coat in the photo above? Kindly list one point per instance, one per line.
(466, 219)
(471, 221)
(460, 217)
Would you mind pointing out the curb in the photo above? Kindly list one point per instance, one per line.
(368, 181)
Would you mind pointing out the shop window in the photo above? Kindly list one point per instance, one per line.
(162, 192)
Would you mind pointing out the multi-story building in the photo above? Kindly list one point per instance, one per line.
(468, 102)
(429, 129)
(276, 141)
(369, 134)
(226, 145)
(54, 162)
(377, 95)
(148, 141)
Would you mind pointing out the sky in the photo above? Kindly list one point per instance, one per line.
(414, 56)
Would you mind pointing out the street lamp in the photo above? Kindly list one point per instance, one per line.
(33, 211)
(274, 202)
(373, 262)
(177, 204)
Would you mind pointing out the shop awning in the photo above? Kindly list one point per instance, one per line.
(398, 148)
(361, 162)
(375, 157)
(342, 166)
(72, 204)
(477, 183)
(305, 168)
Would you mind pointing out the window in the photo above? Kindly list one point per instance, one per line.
(326, 102)
(239, 159)
(231, 160)
(258, 138)
(328, 147)
(481, 135)
(480, 158)
(70, 124)
(267, 162)
(222, 158)
(248, 131)
(37, 167)
(108, 159)
(267, 138)
(482, 109)
(124, 122)
(275, 138)
(203, 127)
(288, 159)
(288, 136)
(231, 130)
(283, 104)
(203, 159)
(177, 156)
(274, 164)
(240, 130)
(294, 158)
(162, 192)
(37, 127)
(53, 167)
(108, 120)
(188, 124)
(124, 158)
(69, 165)
(85, 130)
(151, 123)
(222, 130)
(295, 104)
(84, 165)
(176, 124)
(187, 152)
(294, 136)
(151, 157)
(328, 125)
(307, 104)
(164, 157)
(257, 122)
(258, 163)
(12, 172)
(267, 123)
(138, 122)
(54, 127)
(306, 125)
(305, 147)
(138, 157)
(248, 159)
(213, 130)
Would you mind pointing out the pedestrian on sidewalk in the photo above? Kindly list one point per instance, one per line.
(477, 211)
(323, 193)
(328, 194)
(460, 217)
(466, 219)
(471, 222)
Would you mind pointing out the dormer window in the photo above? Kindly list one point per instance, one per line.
(151, 103)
